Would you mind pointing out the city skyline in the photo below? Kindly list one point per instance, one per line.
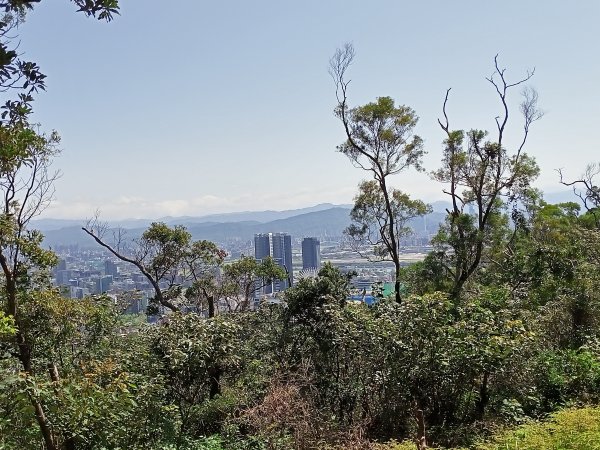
(179, 121)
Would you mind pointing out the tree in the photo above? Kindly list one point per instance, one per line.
(379, 140)
(482, 174)
(552, 265)
(195, 354)
(244, 277)
(586, 188)
(158, 255)
(371, 221)
(202, 266)
(168, 258)
(26, 186)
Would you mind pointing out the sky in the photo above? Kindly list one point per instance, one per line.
(207, 107)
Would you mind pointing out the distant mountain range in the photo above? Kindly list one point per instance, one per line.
(324, 220)
(244, 216)
(329, 222)
(323, 223)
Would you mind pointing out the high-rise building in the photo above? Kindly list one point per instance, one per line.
(311, 253)
(262, 250)
(262, 246)
(103, 284)
(279, 247)
(110, 268)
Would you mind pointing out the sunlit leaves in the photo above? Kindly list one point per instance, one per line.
(381, 137)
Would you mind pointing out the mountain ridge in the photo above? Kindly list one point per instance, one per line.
(323, 220)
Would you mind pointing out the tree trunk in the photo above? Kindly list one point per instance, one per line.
(69, 443)
(43, 424)
(211, 306)
(25, 358)
(397, 282)
(421, 440)
(215, 382)
(483, 397)
(40, 416)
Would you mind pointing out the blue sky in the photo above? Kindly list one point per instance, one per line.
(226, 106)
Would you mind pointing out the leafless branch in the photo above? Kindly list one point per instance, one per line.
(502, 86)
(586, 189)
(446, 125)
(95, 229)
(338, 65)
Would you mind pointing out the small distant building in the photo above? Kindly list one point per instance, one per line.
(103, 284)
(110, 268)
(311, 253)
(78, 292)
(63, 277)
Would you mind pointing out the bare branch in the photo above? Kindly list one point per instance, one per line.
(502, 86)
(159, 295)
(446, 125)
(586, 189)
(338, 65)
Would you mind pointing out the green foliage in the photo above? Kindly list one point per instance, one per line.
(565, 376)
(330, 286)
(427, 276)
(243, 277)
(371, 217)
(7, 326)
(382, 130)
(165, 245)
(374, 363)
(102, 392)
(569, 429)
(196, 356)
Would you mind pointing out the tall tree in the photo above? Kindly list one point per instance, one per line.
(379, 140)
(26, 186)
(482, 174)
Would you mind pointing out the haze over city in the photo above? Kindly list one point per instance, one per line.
(196, 108)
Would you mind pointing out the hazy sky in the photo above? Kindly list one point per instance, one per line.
(220, 106)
